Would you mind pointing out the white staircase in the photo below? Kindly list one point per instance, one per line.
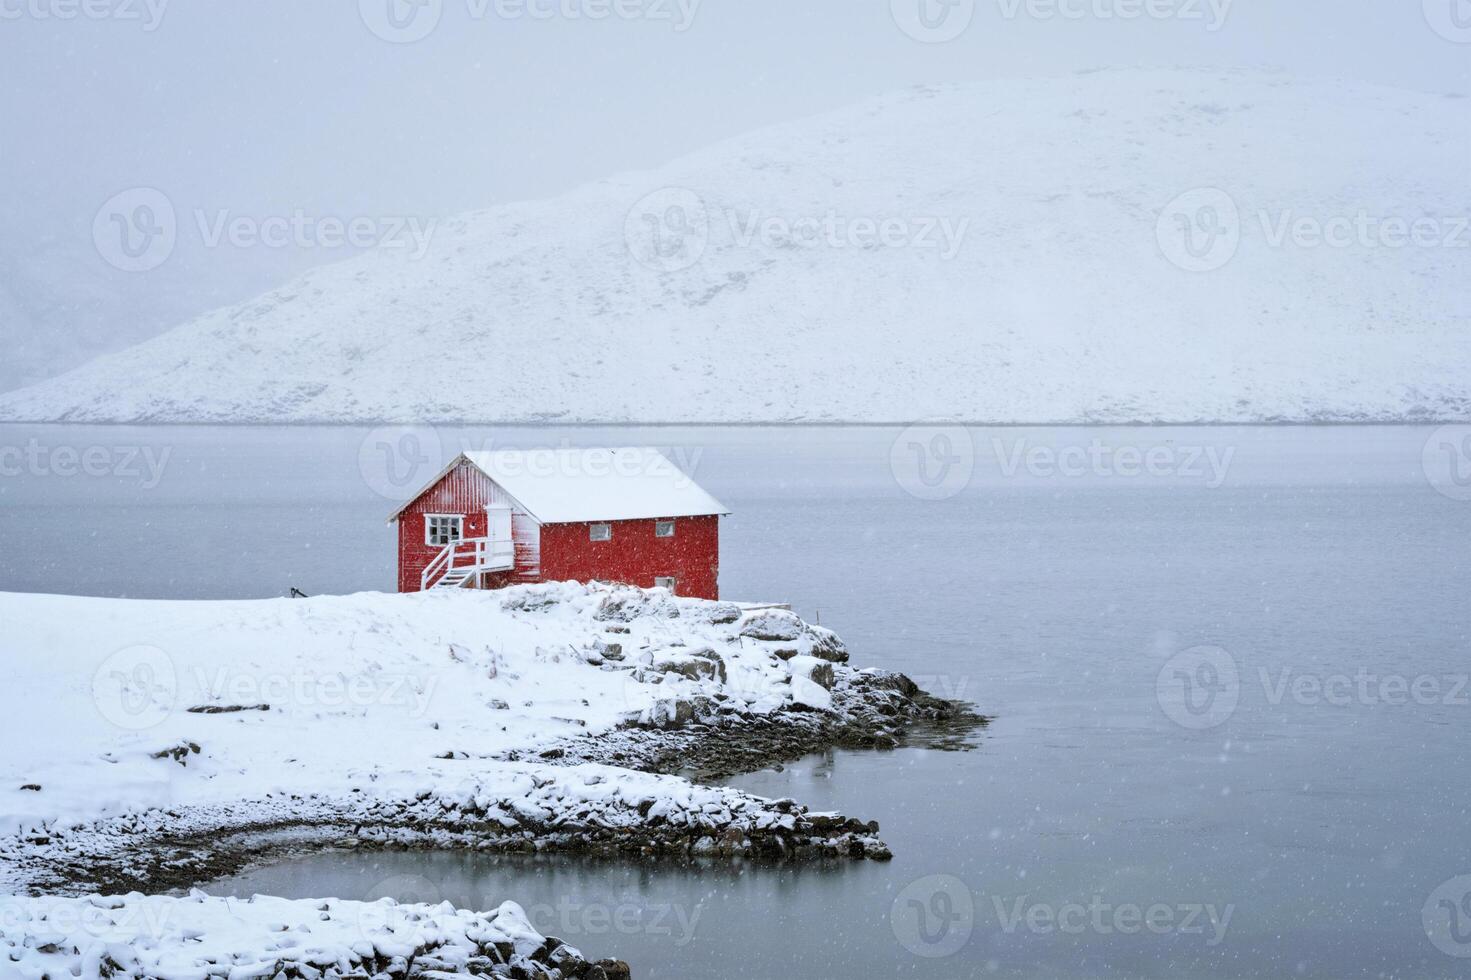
(457, 566)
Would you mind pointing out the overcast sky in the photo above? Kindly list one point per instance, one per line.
(341, 107)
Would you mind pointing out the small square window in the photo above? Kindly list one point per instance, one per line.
(600, 532)
(670, 583)
(442, 530)
(663, 529)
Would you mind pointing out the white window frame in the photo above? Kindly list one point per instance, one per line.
(667, 582)
(659, 527)
(600, 532)
(457, 529)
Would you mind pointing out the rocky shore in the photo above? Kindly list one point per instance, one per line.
(165, 849)
(673, 694)
(164, 937)
(871, 709)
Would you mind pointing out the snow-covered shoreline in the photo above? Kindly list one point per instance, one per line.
(198, 936)
(198, 736)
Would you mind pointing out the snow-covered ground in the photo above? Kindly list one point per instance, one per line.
(1151, 245)
(194, 937)
(142, 735)
(227, 714)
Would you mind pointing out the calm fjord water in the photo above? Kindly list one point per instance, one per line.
(1229, 735)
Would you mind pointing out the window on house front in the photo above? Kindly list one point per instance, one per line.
(667, 583)
(601, 532)
(663, 529)
(442, 530)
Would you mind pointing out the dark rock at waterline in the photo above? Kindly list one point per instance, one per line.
(872, 709)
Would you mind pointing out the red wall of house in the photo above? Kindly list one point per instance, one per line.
(465, 491)
(635, 556)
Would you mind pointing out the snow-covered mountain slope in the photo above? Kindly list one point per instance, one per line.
(1003, 251)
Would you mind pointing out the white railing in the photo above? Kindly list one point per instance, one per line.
(471, 557)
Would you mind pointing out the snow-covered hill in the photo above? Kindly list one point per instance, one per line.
(1050, 250)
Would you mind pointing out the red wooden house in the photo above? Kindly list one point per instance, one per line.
(492, 519)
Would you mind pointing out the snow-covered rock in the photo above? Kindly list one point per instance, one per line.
(819, 672)
(1036, 270)
(196, 936)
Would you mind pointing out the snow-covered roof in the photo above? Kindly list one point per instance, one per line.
(565, 486)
